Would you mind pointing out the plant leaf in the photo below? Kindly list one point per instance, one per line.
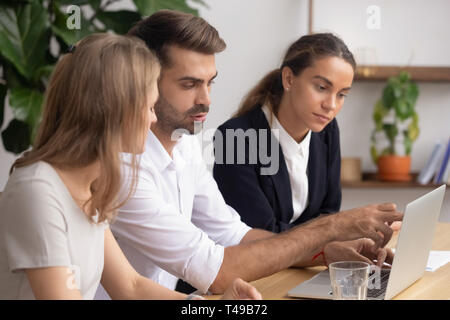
(43, 73)
(374, 154)
(413, 128)
(95, 4)
(24, 36)
(401, 95)
(407, 143)
(74, 2)
(118, 21)
(70, 36)
(379, 113)
(27, 106)
(404, 76)
(387, 151)
(391, 131)
(16, 137)
(411, 93)
(402, 109)
(388, 97)
(3, 90)
(13, 78)
(201, 2)
(148, 7)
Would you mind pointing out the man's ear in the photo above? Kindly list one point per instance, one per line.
(287, 77)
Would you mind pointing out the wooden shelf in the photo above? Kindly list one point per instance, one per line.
(382, 73)
(370, 180)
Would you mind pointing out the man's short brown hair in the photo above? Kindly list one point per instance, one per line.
(169, 27)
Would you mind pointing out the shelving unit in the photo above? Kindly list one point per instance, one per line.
(372, 73)
(382, 73)
(370, 180)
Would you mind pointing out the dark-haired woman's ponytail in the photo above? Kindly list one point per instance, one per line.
(268, 91)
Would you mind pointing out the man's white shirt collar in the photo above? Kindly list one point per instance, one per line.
(161, 158)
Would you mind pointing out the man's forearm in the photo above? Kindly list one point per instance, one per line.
(259, 258)
(256, 234)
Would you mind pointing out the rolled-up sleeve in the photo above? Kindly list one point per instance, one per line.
(210, 212)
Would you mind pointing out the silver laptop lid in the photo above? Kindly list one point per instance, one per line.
(414, 241)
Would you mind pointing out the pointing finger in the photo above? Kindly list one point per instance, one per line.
(387, 207)
(392, 216)
(381, 257)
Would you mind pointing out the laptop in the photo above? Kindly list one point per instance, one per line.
(411, 254)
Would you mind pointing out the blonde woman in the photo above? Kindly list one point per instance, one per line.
(55, 241)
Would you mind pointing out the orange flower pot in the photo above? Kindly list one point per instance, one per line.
(394, 168)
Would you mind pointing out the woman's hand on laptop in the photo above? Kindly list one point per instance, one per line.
(358, 250)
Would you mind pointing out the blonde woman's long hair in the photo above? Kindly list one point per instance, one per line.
(95, 94)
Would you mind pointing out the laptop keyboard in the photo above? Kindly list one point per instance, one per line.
(375, 293)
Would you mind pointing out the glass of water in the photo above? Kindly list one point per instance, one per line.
(349, 280)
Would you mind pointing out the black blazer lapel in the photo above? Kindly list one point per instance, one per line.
(317, 171)
(280, 179)
(283, 189)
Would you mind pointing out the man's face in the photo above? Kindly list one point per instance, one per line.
(184, 90)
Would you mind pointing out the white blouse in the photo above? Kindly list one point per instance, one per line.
(296, 156)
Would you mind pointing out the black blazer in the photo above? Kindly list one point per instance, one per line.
(265, 201)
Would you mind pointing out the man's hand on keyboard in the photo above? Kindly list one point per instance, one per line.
(358, 250)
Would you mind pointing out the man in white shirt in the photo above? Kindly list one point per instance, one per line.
(177, 224)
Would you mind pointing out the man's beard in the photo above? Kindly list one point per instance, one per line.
(172, 121)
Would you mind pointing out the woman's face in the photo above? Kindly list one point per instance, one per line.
(135, 141)
(315, 96)
(149, 113)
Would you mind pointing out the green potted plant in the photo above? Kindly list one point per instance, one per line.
(34, 33)
(396, 125)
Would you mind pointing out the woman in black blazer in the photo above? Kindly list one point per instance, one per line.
(301, 99)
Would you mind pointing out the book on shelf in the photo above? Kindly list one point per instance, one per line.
(431, 166)
(446, 177)
(445, 163)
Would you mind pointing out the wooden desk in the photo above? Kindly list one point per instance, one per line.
(433, 285)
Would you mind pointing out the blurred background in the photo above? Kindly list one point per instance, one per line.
(385, 37)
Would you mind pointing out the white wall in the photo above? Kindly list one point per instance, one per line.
(355, 121)
(412, 32)
(258, 32)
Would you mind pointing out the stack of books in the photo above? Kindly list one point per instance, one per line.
(437, 167)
